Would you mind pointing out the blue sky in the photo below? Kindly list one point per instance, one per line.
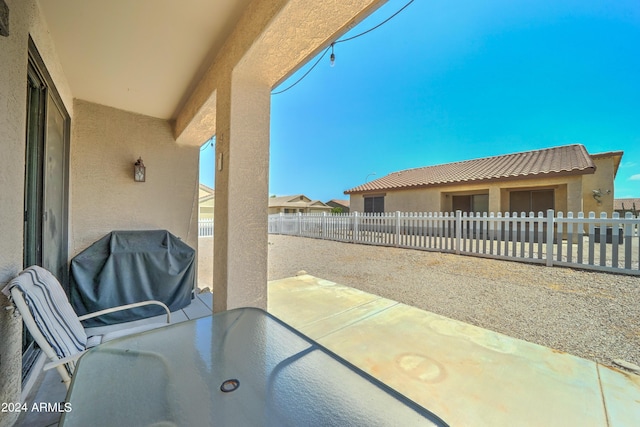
(454, 80)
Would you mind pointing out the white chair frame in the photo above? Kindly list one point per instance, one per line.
(55, 361)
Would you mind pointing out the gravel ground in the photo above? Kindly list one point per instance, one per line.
(592, 315)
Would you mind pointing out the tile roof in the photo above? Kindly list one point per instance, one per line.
(626, 204)
(287, 200)
(206, 193)
(206, 188)
(342, 202)
(295, 201)
(555, 161)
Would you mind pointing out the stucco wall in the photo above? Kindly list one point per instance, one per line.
(24, 19)
(601, 180)
(567, 195)
(412, 201)
(105, 143)
(205, 262)
(206, 209)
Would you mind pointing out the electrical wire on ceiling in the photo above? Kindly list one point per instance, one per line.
(377, 26)
(332, 45)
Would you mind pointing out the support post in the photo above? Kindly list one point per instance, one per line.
(242, 189)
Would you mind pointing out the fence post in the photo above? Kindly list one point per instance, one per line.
(354, 234)
(299, 223)
(458, 231)
(397, 239)
(603, 238)
(628, 234)
(280, 223)
(323, 224)
(550, 222)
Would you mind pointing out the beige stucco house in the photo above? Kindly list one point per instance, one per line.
(339, 203)
(87, 87)
(622, 206)
(565, 178)
(298, 203)
(206, 202)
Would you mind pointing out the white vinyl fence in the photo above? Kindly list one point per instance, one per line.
(205, 227)
(605, 244)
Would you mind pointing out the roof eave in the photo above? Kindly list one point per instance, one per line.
(617, 158)
(585, 171)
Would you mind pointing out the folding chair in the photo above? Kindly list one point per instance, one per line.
(55, 327)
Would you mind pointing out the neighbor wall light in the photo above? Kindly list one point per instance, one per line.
(597, 195)
(139, 171)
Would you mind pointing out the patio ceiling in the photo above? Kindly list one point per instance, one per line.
(143, 56)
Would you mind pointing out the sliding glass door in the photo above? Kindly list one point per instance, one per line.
(46, 181)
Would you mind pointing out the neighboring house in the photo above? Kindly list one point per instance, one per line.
(566, 179)
(295, 204)
(342, 204)
(622, 206)
(206, 202)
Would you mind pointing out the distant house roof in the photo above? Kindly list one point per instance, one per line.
(296, 201)
(626, 204)
(206, 193)
(345, 203)
(556, 161)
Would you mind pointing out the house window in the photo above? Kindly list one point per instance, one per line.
(374, 204)
(531, 201)
(471, 203)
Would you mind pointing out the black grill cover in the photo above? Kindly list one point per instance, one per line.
(132, 266)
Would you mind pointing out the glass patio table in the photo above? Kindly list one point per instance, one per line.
(242, 367)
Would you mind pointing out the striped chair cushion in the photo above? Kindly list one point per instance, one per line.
(51, 310)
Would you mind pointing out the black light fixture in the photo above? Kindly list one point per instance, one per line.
(4, 19)
(332, 58)
(139, 171)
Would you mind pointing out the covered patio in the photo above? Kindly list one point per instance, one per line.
(90, 87)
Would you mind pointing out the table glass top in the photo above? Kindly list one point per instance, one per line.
(178, 376)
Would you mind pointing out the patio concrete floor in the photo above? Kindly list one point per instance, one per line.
(467, 375)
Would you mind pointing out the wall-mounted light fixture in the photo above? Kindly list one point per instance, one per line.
(597, 195)
(139, 171)
(4, 19)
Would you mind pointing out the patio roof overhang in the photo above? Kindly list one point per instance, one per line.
(141, 56)
(167, 60)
